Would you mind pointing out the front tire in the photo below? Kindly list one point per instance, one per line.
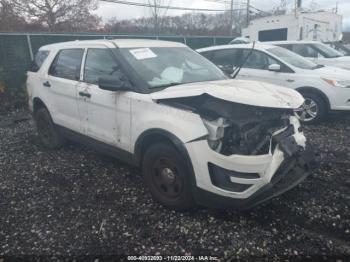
(167, 176)
(313, 110)
(48, 134)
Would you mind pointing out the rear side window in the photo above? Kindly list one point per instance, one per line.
(227, 57)
(67, 64)
(39, 59)
(99, 63)
(305, 50)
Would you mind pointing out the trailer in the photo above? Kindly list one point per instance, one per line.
(317, 26)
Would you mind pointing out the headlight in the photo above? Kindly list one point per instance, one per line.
(337, 83)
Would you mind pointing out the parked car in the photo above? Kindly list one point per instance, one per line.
(317, 52)
(240, 40)
(198, 136)
(340, 47)
(324, 88)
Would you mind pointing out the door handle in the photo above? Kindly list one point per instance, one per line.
(47, 84)
(290, 80)
(85, 94)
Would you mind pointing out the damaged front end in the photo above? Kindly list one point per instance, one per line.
(251, 153)
(235, 128)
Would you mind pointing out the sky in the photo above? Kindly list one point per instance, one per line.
(109, 10)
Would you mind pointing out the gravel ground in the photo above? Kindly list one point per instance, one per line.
(75, 201)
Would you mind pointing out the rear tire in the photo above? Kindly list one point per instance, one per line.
(47, 132)
(313, 110)
(167, 176)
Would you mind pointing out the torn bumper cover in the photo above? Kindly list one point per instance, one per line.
(243, 181)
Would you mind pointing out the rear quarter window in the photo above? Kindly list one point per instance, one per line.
(39, 59)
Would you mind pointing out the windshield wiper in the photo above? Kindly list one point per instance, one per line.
(238, 69)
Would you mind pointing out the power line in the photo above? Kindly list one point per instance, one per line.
(165, 7)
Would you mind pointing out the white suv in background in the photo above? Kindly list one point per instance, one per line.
(198, 136)
(324, 88)
(317, 52)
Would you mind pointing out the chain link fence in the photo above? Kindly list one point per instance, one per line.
(17, 51)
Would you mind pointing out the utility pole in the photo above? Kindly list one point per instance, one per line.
(231, 18)
(156, 28)
(248, 14)
(336, 7)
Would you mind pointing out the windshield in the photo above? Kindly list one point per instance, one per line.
(343, 49)
(166, 66)
(327, 51)
(292, 58)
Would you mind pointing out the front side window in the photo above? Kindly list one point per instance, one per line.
(161, 67)
(67, 64)
(99, 63)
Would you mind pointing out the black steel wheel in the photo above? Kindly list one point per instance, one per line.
(167, 177)
(48, 134)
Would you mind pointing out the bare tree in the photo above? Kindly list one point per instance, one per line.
(158, 13)
(9, 17)
(59, 14)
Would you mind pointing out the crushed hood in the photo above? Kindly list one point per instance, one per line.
(239, 91)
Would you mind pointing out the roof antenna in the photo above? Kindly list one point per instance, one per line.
(234, 75)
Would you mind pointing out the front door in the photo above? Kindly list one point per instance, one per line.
(105, 115)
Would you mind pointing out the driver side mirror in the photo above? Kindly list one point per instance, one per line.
(275, 67)
(113, 83)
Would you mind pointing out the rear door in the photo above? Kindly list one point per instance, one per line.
(62, 81)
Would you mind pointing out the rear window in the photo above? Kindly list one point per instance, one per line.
(39, 59)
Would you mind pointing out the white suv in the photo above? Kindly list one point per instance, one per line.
(198, 136)
(324, 88)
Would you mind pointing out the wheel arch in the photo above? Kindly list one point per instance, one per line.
(148, 137)
(38, 104)
(317, 92)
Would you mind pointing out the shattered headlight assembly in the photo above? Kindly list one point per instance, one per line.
(337, 83)
(216, 132)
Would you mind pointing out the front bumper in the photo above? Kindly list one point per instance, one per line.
(250, 180)
(290, 173)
